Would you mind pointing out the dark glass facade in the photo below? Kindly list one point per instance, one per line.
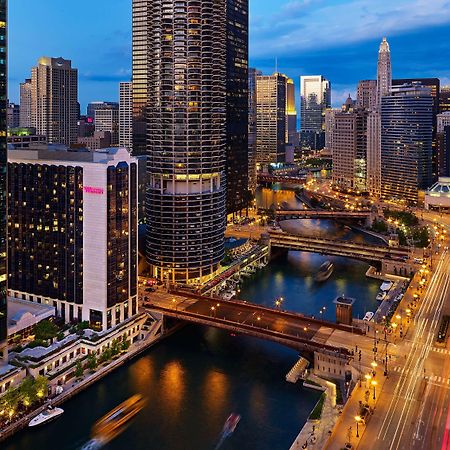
(444, 99)
(3, 168)
(443, 147)
(45, 220)
(434, 84)
(237, 105)
(406, 142)
(186, 143)
(122, 236)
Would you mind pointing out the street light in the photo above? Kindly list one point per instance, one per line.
(368, 377)
(374, 365)
(374, 383)
(358, 419)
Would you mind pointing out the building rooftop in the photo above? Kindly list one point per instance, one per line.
(58, 152)
(441, 188)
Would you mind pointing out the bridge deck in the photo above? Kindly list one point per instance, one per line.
(291, 329)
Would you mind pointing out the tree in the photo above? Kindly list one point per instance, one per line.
(10, 400)
(45, 330)
(41, 386)
(115, 347)
(125, 345)
(79, 369)
(28, 391)
(105, 356)
(92, 362)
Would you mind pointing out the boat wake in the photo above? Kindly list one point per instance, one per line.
(228, 429)
(93, 444)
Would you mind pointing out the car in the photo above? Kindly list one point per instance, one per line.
(150, 289)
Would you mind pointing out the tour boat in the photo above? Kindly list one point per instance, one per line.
(368, 316)
(381, 296)
(113, 423)
(231, 424)
(325, 271)
(46, 416)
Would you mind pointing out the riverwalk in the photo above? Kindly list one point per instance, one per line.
(77, 386)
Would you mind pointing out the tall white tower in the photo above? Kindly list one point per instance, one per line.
(384, 74)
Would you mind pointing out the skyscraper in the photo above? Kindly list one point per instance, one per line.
(54, 95)
(374, 154)
(315, 93)
(366, 96)
(406, 137)
(25, 104)
(444, 99)
(186, 143)
(92, 107)
(270, 119)
(384, 70)
(435, 85)
(126, 115)
(107, 119)
(237, 105)
(142, 11)
(3, 166)
(291, 113)
(252, 118)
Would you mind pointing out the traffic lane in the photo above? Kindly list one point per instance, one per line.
(255, 318)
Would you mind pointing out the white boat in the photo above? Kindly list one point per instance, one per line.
(229, 295)
(46, 416)
(325, 271)
(381, 296)
(368, 316)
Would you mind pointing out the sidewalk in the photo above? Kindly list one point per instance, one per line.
(345, 429)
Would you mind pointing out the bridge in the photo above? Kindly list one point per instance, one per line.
(267, 178)
(361, 251)
(321, 214)
(290, 329)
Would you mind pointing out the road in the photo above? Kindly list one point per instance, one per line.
(412, 412)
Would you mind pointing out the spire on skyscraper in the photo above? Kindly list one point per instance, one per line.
(384, 77)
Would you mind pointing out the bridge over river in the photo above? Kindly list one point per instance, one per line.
(291, 329)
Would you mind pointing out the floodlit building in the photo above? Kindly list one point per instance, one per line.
(252, 121)
(366, 96)
(107, 120)
(384, 71)
(73, 232)
(25, 119)
(126, 115)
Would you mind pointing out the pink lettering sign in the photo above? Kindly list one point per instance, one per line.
(93, 190)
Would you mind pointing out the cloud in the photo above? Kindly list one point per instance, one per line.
(309, 24)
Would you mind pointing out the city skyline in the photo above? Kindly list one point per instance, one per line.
(415, 38)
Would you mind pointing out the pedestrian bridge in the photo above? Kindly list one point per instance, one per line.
(317, 214)
(362, 251)
(290, 329)
(267, 178)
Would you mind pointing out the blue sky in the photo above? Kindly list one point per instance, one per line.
(336, 38)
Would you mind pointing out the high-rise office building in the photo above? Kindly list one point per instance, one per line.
(329, 127)
(315, 93)
(25, 104)
(54, 103)
(142, 11)
(442, 121)
(237, 105)
(252, 118)
(384, 71)
(73, 236)
(374, 154)
(406, 142)
(126, 115)
(349, 147)
(444, 99)
(270, 119)
(107, 119)
(13, 115)
(291, 113)
(366, 96)
(443, 143)
(92, 107)
(434, 84)
(3, 187)
(186, 144)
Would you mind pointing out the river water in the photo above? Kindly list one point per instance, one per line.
(197, 377)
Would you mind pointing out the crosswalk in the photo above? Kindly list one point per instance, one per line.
(432, 379)
(444, 351)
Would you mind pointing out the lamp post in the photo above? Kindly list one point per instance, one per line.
(368, 377)
(374, 366)
(374, 384)
(357, 419)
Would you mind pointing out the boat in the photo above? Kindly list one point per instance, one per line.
(113, 423)
(381, 296)
(229, 295)
(231, 424)
(325, 271)
(46, 416)
(368, 316)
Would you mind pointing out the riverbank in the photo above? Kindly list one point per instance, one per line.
(78, 386)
